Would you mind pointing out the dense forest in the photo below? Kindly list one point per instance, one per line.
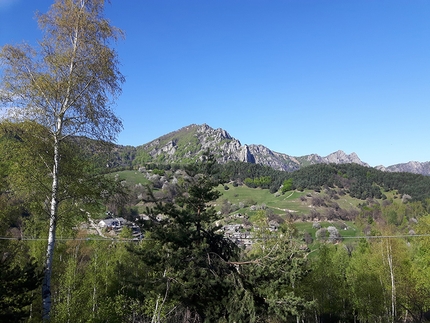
(358, 181)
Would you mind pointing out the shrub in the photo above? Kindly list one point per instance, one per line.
(333, 234)
(321, 234)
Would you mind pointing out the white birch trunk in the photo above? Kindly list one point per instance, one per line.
(46, 286)
(94, 286)
(393, 285)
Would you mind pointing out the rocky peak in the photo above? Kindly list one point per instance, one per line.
(339, 157)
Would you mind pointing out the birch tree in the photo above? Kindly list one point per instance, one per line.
(67, 84)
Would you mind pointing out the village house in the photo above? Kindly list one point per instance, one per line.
(112, 223)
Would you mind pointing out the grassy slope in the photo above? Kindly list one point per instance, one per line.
(280, 204)
(290, 201)
(132, 177)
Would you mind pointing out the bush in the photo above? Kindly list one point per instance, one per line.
(321, 234)
(249, 202)
(307, 238)
(333, 234)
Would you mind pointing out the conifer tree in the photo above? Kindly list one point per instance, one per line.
(188, 254)
(270, 274)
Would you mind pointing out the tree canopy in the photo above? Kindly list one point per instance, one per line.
(66, 85)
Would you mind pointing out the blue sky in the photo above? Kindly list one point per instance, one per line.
(298, 76)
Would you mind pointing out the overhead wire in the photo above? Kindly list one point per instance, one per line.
(250, 238)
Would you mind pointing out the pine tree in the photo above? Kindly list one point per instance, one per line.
(188, 255)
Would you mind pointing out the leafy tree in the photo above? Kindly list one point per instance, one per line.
(418, 299)
(365, 287)
(65, 85)
(327, 284)
(27, 184)
(19, 273)
(287, 185)
(91, 286)
(249, 182)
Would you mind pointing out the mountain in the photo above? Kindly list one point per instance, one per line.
(189, 143)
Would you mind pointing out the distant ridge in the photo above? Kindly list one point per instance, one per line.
(409, 167)
(187, 144)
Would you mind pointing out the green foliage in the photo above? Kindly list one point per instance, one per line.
(360, 181)
(270, 274)
(365, 284)
(20, 275)
(26, 153)
(328, 283)
(287, 185)
(188, 257)
(253, 175)
(66, 85)
(262, 181)
(90, 284)
(142, 158)
(18, 282)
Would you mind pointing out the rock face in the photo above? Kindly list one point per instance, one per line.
(339, 157)
(410, 167)
(190, 142)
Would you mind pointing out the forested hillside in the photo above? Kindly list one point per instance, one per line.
(358, 181)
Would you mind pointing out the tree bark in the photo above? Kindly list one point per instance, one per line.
(46, 286)
(393, 285)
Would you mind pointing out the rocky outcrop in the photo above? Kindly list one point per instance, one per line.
(410, 167)
(339, 157)
(246, 156)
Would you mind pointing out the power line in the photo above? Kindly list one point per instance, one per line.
(70, 239)
(388, 237)
(249, 238)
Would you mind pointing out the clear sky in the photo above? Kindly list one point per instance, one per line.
(297, 76)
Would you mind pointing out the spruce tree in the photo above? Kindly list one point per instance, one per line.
(186, 251)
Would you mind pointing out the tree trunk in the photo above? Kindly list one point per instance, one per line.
(46, 286)
(393, 285)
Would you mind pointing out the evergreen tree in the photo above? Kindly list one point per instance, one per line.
(187, 254)
(18, 283)
(270, 274)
